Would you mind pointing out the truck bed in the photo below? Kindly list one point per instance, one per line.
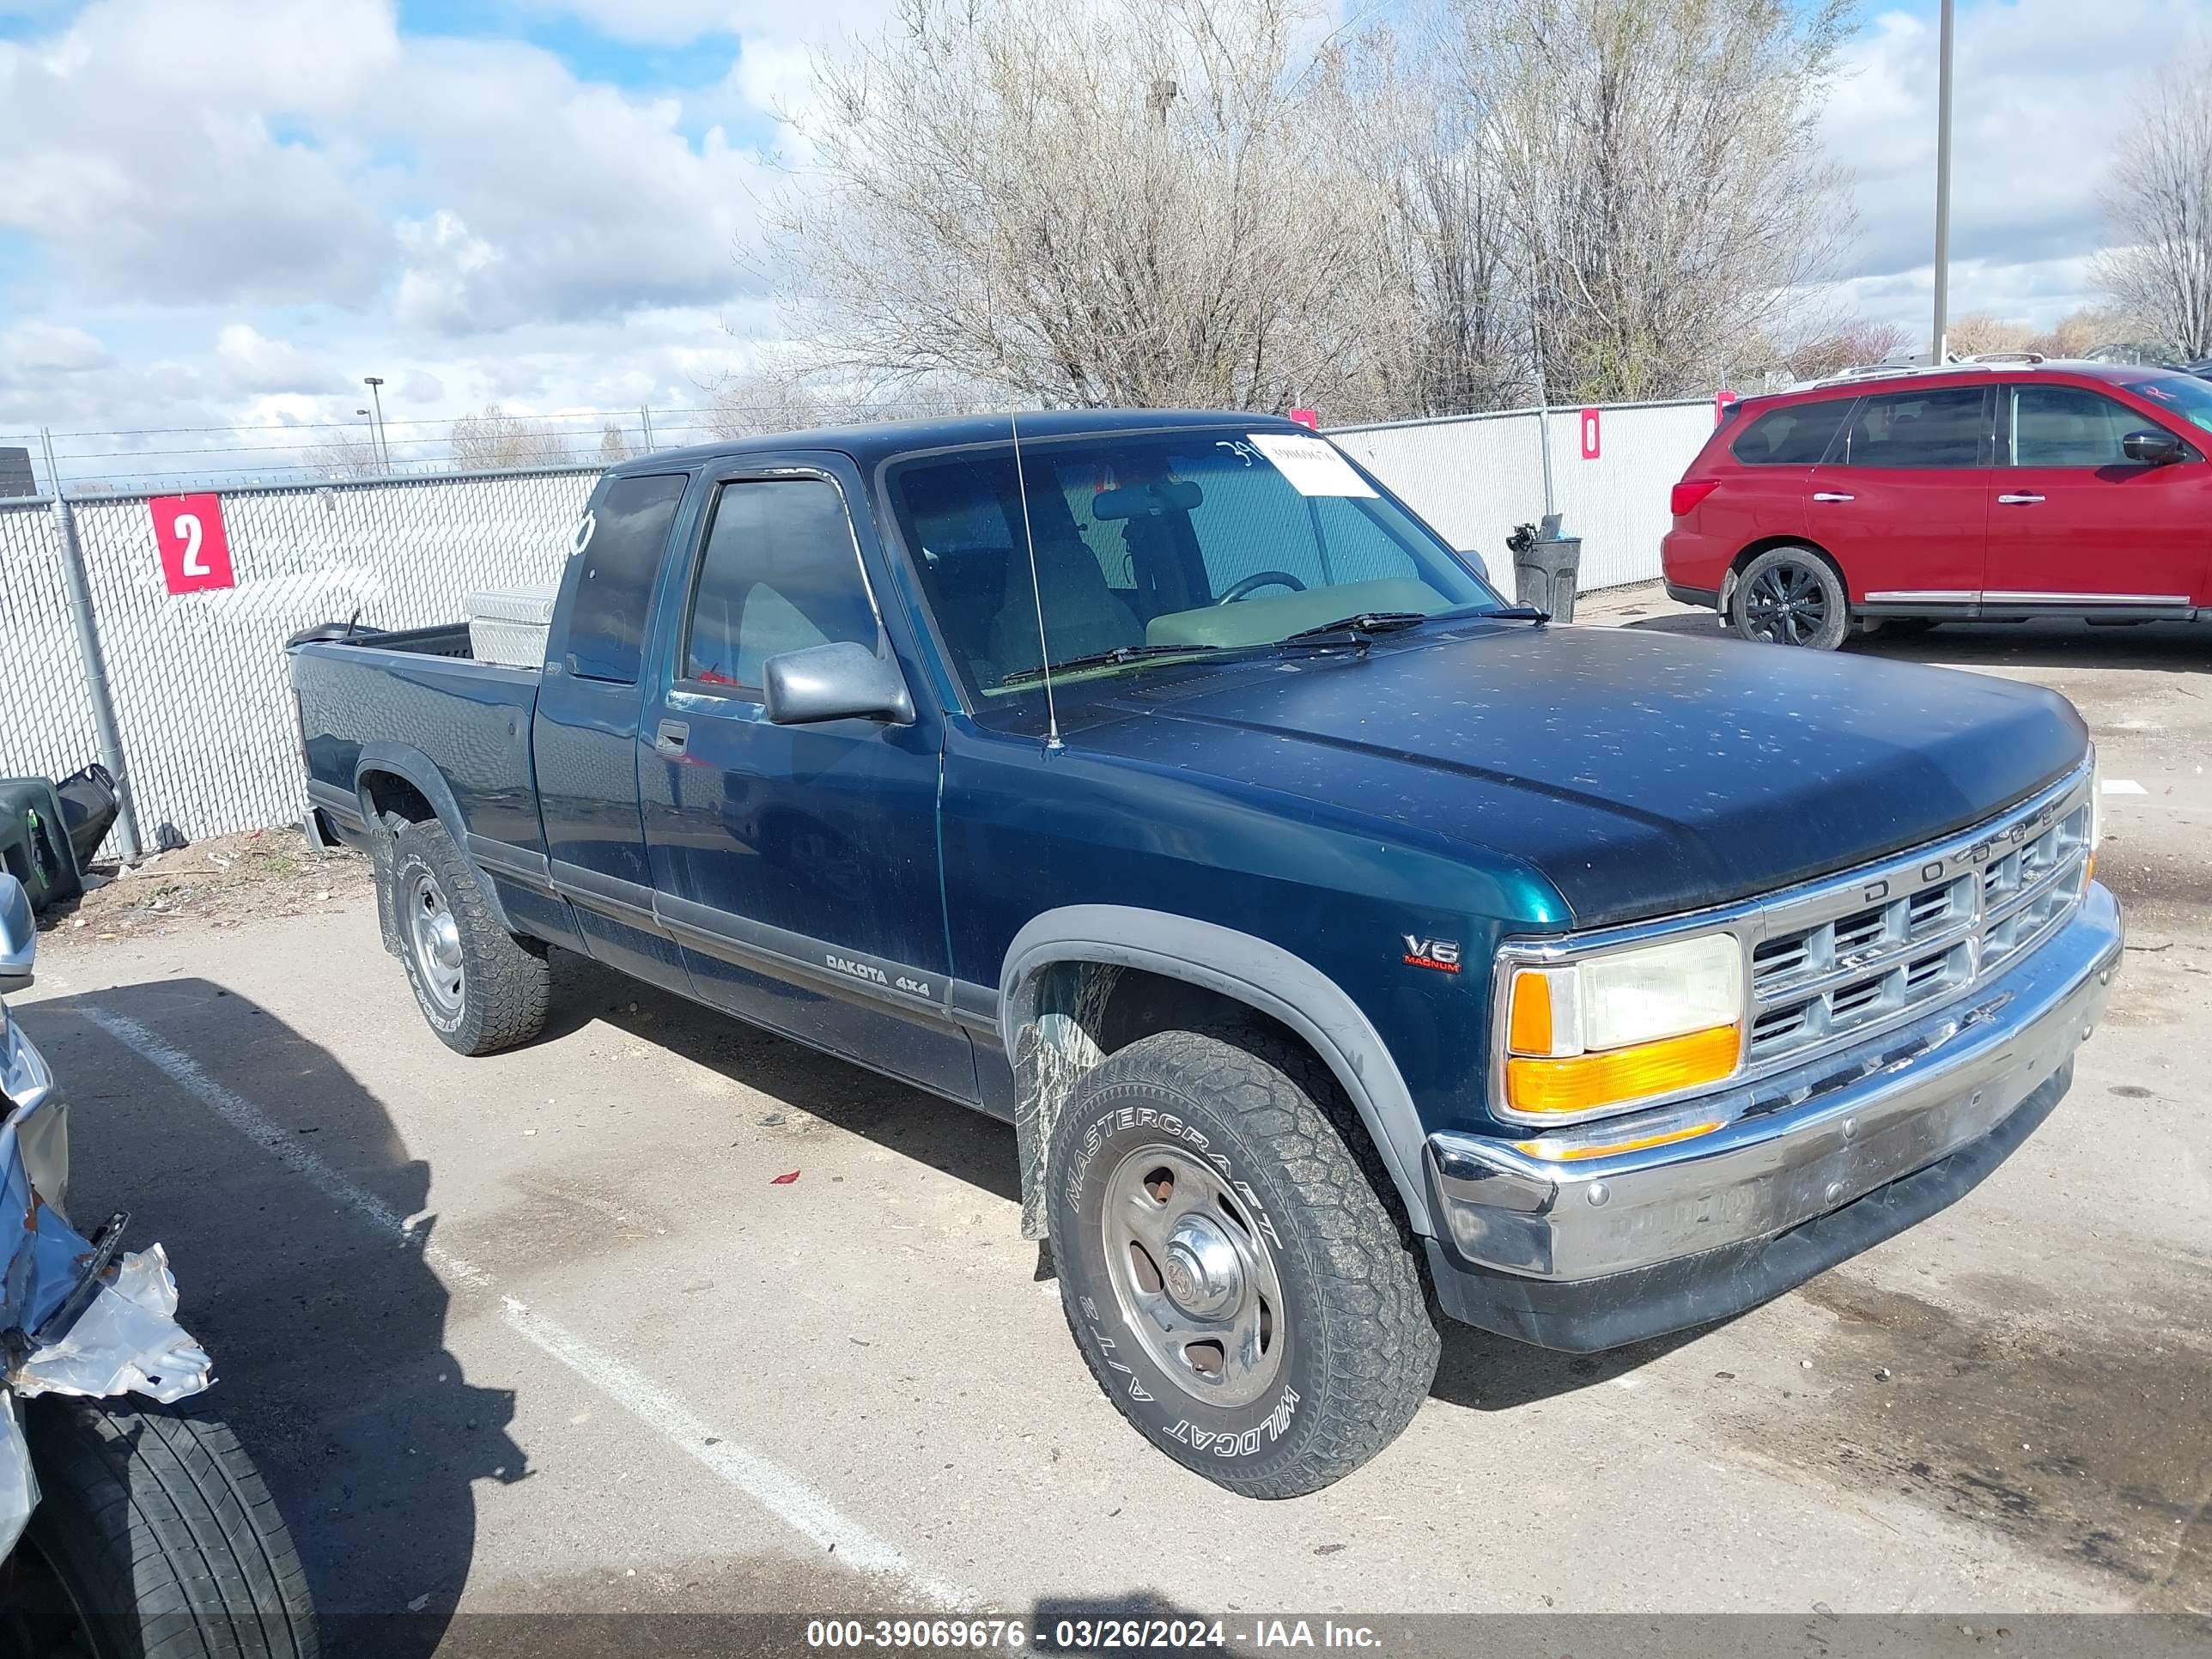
(384, 704)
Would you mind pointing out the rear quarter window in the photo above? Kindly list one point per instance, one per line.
(611, 576)
(1796, 435)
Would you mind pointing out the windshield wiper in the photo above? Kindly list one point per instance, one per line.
(1356, 629)
(1118, 655)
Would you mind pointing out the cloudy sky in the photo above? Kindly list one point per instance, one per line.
(228, 211)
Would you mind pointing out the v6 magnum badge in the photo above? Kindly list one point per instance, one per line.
(1441, 954)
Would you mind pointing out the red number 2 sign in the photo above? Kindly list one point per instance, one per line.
(195, 551)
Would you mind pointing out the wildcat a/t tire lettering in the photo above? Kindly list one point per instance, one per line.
(1228, 1268)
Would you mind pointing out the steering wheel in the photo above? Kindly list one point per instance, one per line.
(1263, 579)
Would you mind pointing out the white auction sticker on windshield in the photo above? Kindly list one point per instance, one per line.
(1312, 464)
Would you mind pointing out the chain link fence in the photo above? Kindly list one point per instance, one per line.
(202, 701)
(202, 704)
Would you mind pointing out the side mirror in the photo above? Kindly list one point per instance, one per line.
(2152, 447)
(18, 935)
(835, 681)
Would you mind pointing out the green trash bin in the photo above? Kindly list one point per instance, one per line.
(34, 843)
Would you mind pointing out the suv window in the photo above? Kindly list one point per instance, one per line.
(628, 519)
(1795, 436)
(1940, 429)
(780, 574)
(2069, 426)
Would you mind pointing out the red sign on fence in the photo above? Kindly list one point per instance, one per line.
(1308, 418)
(1722, 402)
(1589, 434)
(195, 551)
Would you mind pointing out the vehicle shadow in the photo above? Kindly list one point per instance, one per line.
(2056, 646)
(328, 1334)
(969, 1144)
(1478, 1369)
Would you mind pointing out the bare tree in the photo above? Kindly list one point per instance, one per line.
(1441, 311)
(767, 397)
(496, 440)
(613, 447)
(1123, 201)
(2080, 332)
(2159, 196)
(341, 455)
(1659, 164)
(1977, 331)
(1852, 344)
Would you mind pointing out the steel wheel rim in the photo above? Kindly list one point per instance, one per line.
(1786, 602)
(435, 935)
(1195, 1280)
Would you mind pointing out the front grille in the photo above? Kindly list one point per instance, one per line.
(1850, 954)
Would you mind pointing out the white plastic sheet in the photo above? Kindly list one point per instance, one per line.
(128, 1340)
(19, 1487)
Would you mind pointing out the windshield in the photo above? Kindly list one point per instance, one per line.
(2184, 394)
(1157, 547)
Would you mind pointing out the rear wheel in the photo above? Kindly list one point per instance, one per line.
(159, 1534)
(1229, 1269)
(481, 988)
(1790, 596)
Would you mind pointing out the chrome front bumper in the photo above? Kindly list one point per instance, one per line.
(1820, 1142)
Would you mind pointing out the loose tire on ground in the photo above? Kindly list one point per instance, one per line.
(1790, 596)
(481, 988)
(162, 1534)
(1216, 1160)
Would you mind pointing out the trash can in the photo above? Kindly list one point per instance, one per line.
(34, 846)
(1545, 567)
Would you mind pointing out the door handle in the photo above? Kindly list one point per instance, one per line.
(671, 738)
(1831, 495)
(2019, 501)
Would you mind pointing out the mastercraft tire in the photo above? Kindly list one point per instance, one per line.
(481, 988)
(1235, 1281)
(162, 1535)
(1790, 596)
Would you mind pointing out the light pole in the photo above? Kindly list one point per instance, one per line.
(1942, 180)
(373, 382)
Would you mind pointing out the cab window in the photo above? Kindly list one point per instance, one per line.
(780, 574)
(623, 536)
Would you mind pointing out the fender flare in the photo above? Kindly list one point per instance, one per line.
(1263, 976)
(420, 770)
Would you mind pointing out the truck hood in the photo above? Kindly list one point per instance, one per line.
(1642, 774)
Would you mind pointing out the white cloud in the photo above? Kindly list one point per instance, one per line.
(2041, 89)
(38, 348)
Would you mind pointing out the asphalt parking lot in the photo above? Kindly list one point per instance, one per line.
(633, 1371)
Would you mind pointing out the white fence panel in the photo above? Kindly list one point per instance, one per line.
(1473, 477)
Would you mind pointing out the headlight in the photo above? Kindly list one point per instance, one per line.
(1627, 1026)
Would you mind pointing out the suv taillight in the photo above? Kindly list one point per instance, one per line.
(1688, 493)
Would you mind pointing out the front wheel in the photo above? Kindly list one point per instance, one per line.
(481, 988)
(160, 1535)
(1229, 1268)
(1790, 596)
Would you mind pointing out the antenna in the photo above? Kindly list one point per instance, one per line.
(1037, 591)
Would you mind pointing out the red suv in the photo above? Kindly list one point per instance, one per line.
(1986, 491)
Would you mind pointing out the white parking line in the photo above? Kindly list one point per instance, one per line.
(768, 1483)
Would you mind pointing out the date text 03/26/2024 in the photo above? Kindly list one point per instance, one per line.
(1085, 1635)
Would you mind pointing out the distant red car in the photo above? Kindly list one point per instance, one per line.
(1988, 491)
